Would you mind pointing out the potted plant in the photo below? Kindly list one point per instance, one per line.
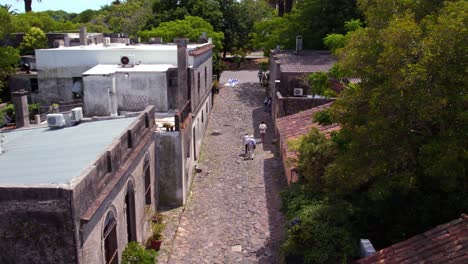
(54, 108)
(155, 240)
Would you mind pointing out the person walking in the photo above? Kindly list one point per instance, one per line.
(262, 127)
(260, 75)
(246, 143)
(251, 146)
(268, 105)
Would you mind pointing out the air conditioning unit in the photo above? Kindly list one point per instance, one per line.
(55, 120)
(77, 114)
(107, 42)
(298, 92)
(127, 60)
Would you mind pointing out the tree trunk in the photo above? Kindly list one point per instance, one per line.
(27, 5)
(288, 6)
(280, 8)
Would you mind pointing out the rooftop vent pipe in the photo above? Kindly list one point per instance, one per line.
(298, 44)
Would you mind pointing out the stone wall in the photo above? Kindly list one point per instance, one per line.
(102, 187)
(36, 226)
(133, 92)
(169, 168)
(290, 105)
(198, 93)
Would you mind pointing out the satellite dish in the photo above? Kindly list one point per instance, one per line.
(125, 60)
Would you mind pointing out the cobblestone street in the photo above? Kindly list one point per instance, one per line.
(232, 215)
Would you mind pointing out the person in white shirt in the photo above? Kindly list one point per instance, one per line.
(246, 142)
(251, 146)
(262, 128)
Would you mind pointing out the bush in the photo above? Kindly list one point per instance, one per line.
(135, 253)
(7, 114)
(321, 233)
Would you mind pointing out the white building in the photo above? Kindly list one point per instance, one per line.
(116, 78)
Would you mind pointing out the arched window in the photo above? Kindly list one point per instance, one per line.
(110, 239)
(147, 175)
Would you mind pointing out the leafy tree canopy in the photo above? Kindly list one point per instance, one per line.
(34, 39)
(190, 27)
(400, 162)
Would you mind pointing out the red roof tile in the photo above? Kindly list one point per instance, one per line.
(447, 243)
(296, 125)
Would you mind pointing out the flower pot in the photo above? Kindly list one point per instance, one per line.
(154, 244)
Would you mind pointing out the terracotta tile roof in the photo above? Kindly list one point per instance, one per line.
(307, 61)
(447, 243)
(296, 125)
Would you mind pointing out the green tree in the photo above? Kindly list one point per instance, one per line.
(129, 17)
(400, 163)
(336, 41)
(413, 93)
(34, 39)
(10, 56)
(168, 10)
(9, 8)
(190, 27)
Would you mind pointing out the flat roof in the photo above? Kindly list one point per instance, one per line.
(103, 69)
(120, 46)
(306, 61)
(55, 156)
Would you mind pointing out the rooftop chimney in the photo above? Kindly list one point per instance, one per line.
(182, 75)
(298, 44)
(83, 36)
(20, 101)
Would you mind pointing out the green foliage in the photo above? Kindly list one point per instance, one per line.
(316, 152)
(10, 58)
(23, 22)
(271, 32)
(190, 27)
(168, 10)
(352, 25)
(328, 18)
(319, 85)
(34, 39)
(129, 17)
(323, 117)
(7, 112)
(398, 165)
(411, 94)
(135, 253)
(336, 41)
(323, 234)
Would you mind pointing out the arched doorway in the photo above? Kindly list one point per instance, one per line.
(110, 239)
(130, 212)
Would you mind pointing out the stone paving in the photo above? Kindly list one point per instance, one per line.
(232, 215)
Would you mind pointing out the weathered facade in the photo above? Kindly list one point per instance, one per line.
(287, 68)
(52, 210)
